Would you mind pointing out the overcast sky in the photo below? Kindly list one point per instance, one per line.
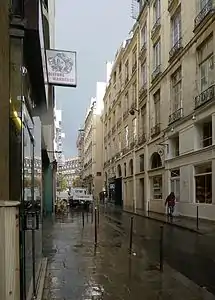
(95, 29)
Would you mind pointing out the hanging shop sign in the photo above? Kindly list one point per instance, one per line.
(61, 67)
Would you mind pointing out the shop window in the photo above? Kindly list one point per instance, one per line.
(157, 188)
(203, 183)
(175, 183)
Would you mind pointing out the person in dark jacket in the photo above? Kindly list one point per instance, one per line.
(170, 202)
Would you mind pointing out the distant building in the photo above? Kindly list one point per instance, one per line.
(59, 135)
(91, 144)
(69, 170)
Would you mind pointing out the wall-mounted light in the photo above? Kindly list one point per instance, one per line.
(132, 111)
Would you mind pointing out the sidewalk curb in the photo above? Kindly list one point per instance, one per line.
(164, 222)
(42, 279)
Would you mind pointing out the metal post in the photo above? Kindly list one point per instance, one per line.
(131, 234)
(83, 218)
(95, 226)
(161, 248)
(92, 214)
(197, 217)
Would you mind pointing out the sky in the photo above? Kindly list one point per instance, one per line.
(95, 29)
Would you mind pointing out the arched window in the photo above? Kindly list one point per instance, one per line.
(131, 167)
(156, 161)
(119, 171)
(125, 173)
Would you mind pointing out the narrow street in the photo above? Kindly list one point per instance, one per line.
(79, 270)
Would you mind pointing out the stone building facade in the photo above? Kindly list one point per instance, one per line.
(159, 110)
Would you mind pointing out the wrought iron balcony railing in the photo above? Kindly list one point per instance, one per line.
(175, 49)
(205, 96)
(134, 67)
(155, 130)
(141, 138)
(155, 27)
(176, 115)
(142, 92)
(114, 129)
(207, 9)
(156, 72)
(142, 50)
(125, 114)
(126, 79)
(119, 122)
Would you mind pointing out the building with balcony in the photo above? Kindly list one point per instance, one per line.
(80, 147)
(164, 139)
(92, 135)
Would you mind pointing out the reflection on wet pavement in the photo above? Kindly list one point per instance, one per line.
(77, 270)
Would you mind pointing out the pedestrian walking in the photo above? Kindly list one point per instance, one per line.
(170, 202)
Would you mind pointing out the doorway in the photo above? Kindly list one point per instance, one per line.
(118, 192)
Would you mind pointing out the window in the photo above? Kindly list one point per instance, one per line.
(175, 183)
(126, 136)
(206, 73)
(206, 65)
(176, 28)
(134, 93)
(157, 54)
(176, 90)
(157, 187)
(126, 102)
(125, 173)
(126, 71)
(203, 183)
(156, 10)
(143, 75)
(134, 127)
(119, 141)
(207, 134)
(142, 119)
(157, 107)
(143, 35)
(134, 57)
(142, 165)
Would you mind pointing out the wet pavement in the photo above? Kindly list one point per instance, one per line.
(77, 270)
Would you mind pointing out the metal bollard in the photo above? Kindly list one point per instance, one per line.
(95, 226)
(83, 218)
(131, 234)
(161, 248)
(92, 214)
(197, 217)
